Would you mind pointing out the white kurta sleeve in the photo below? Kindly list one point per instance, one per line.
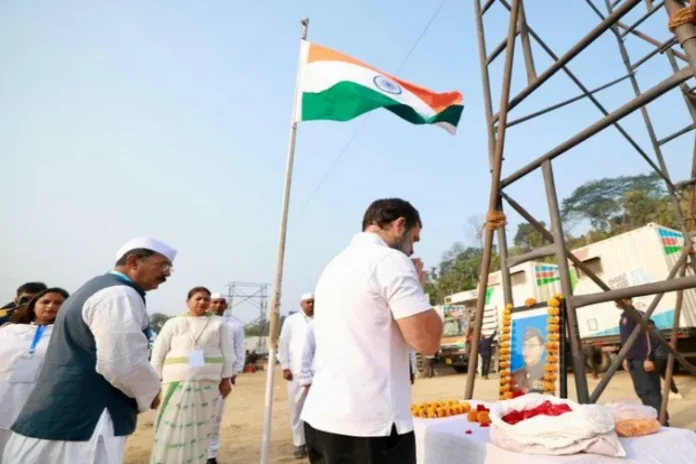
(239, 348)
(162, 346)
(284, 345)
(306, 375)
(117, 318)
(227, 349)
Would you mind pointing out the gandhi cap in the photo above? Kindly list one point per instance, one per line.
(147, 243)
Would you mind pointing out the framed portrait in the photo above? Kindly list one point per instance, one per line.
(530, 353)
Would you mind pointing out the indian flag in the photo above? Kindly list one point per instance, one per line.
(336, 87)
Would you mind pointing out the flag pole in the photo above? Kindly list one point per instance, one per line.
(280, 258)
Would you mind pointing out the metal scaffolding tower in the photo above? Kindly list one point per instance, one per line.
(681, 33)
(255, 294)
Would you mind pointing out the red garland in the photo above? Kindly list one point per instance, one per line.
(547, 408)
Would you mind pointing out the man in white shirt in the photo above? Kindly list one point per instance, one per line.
(218, 306)
(96, 376)
(372, 312)
(292, 342)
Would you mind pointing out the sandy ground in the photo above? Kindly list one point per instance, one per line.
(242, 423)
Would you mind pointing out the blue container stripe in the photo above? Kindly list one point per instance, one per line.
(669, 233)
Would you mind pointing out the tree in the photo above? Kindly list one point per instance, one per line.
(641, 208)
(157, 320)
(601, 202)
(459, 270)
(528, 238)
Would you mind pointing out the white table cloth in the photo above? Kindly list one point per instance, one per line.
(444, 441)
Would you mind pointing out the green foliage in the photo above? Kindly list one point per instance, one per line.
(528, 238)
(459, 270)
(157, 320)
(604, 203)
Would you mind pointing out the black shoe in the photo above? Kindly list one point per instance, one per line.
(212, 461)
(300, 452)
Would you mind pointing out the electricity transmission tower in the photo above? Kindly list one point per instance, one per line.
(612, 34)
(255, 294)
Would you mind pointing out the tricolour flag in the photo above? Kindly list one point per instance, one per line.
(336, 87)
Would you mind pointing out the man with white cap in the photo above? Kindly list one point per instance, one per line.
(96, 376)
(218, 305)
(292, 342)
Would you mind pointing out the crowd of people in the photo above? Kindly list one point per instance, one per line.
(79, 368)
(82, 370)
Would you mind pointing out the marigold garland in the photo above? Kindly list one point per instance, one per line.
(504, 355)
(552, 347)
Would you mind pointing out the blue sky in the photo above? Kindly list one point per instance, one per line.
(171, 119)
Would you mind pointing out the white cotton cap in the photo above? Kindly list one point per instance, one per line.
(307, 296)
(217, 296)
(148, 244)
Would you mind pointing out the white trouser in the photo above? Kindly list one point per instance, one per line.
(214, 445)
(4, 436)
(102, 448)
(296, 402)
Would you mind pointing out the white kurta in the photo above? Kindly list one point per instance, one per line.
(292, 342)
(117, 318)
(15, 343)
(237, 328)
(178, 338)
(308, 366)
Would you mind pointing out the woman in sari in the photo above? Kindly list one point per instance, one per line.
(194, 355)
(23, 343)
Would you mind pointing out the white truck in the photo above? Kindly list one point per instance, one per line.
(637, 257)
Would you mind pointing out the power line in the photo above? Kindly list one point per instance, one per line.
(362, 123)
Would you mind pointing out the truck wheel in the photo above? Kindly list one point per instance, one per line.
(606, 361)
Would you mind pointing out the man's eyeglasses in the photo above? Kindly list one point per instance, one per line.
(164, 265)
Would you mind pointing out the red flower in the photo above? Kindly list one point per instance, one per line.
(547, 408)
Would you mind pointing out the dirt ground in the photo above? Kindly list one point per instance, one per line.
(240, 441)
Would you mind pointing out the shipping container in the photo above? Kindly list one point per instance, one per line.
(638, 257)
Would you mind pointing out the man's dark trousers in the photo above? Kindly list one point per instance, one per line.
(646, 384)
(485, 364)
(331, 448)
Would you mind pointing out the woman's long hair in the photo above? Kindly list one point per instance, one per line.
(26, 314)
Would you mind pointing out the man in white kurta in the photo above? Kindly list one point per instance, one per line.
(307, 367)
(218, 304)
(109, 312)
(292, 342)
